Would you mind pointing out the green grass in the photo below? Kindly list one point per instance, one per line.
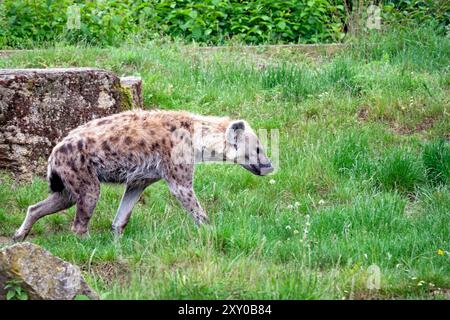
(436, 158)
(363, 176)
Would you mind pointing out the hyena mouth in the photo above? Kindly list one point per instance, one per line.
(265, 169)
(261, 170)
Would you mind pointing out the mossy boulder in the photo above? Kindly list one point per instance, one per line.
(40, 275)
(38, 107)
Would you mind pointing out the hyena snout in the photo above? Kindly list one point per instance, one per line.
(261, 169)
(265, 169)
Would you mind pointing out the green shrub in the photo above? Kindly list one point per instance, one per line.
(436, 158)
(29, 22)
(108, 22)
(25, 23)
(412, 13)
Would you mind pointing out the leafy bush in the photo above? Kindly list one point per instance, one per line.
(28, 22)
(108, 22)
(410, 13)
(25, 23)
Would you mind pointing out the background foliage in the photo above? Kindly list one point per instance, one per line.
(26, 23)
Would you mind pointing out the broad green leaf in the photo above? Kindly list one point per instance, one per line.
(281, 25)
(10, 295)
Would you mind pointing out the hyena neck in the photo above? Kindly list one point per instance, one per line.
(209, 138)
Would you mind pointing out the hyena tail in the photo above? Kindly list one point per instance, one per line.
(55, 182)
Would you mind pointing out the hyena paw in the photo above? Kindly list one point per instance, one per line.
(18, 237)
(201, 220)
(117, 231)
(80, 231)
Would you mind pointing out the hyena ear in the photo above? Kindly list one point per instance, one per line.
(235, 131)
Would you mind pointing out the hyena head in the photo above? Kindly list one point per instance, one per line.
(242, 146)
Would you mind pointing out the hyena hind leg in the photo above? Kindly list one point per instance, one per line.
(54, 203)
(130, 197)
(85, 207)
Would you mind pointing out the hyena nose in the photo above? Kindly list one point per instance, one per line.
(266, 168)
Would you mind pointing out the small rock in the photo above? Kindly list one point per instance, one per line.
(40, 274)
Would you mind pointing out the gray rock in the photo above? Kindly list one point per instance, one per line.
(38, 107)
(40, 274)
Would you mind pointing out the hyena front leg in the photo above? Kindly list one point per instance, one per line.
(129, 199)
(179, 179)
(187, 198)
(54, 203)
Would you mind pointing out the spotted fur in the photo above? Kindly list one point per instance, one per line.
(138, 148)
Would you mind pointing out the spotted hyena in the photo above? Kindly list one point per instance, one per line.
(138, 148)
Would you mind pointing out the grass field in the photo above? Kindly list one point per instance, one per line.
(363, 179)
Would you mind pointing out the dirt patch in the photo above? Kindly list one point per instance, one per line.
(436, 293)
(313, 49)
(5, 240)
(264, 56)
(6, 53)
(367, 295)
(112, 271)
(440, 293)
(363, 113)
(423, 125)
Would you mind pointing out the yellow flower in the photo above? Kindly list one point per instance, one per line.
(440, 252)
